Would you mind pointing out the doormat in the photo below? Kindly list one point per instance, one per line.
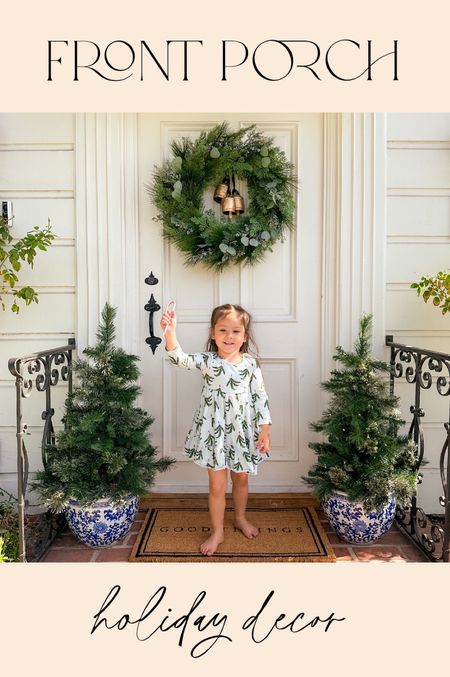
(286, 534)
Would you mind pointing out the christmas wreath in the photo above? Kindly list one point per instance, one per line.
(216, 159)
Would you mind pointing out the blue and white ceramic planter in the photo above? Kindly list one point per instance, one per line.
(101, 523)
(353, 523)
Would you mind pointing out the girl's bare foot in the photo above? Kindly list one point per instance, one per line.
(211, 544)
(246, 527)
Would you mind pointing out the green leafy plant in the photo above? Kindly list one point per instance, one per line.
(9, 528)
(435, 287)
(103, 450)
(13, 253)
(362, 454)
(3, 556)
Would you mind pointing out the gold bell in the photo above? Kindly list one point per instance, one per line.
(228, 206)
(220, 192)
(239, 207)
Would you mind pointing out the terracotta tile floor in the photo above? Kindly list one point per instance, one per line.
(392, 547)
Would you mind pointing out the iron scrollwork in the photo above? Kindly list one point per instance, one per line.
(418, 366)
(41, 371)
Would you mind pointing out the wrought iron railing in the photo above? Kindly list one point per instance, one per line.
(418, 367)
(43, 371)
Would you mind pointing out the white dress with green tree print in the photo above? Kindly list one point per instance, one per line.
(232, 408)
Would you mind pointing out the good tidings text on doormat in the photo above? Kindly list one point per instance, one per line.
(285, 534)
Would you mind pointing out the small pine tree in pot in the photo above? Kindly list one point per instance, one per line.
(364, 467)
(102, 461)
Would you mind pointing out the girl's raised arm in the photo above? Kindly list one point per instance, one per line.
(168, 324)
(176, 354)
(188, 360)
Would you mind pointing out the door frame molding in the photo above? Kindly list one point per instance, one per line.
(353, 228)
(354, 224)
(107, 224)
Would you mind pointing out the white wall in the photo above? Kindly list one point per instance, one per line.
(418, 242)
(37, 175)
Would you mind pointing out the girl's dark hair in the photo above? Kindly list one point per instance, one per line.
(249, 345)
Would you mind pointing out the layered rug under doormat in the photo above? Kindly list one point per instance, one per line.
(286, 534)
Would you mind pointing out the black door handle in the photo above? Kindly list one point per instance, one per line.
(152, 307)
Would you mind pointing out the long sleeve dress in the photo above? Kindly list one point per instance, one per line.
(233, 406)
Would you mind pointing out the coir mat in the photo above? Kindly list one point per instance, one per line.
(286, 534)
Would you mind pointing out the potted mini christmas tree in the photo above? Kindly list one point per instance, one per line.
(364, 467)
(102, 461)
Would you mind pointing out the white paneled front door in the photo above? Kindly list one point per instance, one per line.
(282, 294)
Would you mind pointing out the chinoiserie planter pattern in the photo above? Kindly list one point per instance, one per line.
(101, 523)
(353, 523)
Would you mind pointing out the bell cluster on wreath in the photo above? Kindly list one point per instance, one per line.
(231, 200)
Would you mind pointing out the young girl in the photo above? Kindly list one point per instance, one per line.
(230, 429)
